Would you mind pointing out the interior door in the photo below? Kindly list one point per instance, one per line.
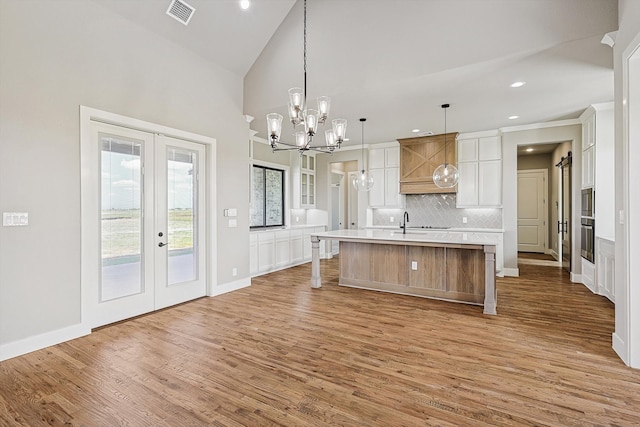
(352, 202)
(151, 231)
(532, 211)
(564, 224)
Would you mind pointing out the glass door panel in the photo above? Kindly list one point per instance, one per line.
(121, 217)
(180, 221)
(182, 215)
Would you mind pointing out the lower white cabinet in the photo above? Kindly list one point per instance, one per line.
(605, 268)
(282, 248)
(296, 246)
(266, 258)
(277, 249)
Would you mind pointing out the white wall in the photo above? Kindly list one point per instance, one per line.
(54, 59)
(626, 339)
(531, 135)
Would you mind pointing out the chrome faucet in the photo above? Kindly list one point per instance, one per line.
(405, 220)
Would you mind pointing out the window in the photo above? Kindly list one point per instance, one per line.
(267, 199)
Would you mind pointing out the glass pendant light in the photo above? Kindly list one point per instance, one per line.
(364, 180)
(446, 175)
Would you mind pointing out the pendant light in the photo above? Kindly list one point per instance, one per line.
(364, 180)
(446, 175)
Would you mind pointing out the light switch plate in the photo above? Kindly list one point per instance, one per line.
(232, 212)
(233, 223)
(15, 219)
(414, 265)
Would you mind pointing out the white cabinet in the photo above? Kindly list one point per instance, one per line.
(467, 184)
(273, 250)
(384, 167)
(253, 253)
(588, 167)
(308, 180)
(296, 248)
(480, 169)
(266, 258)
(490, 183)
(589, 130)
(377, 192)
(282, 248)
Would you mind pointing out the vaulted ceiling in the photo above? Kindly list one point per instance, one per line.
(396, 61)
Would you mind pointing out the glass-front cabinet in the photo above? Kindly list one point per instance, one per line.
(308, 180)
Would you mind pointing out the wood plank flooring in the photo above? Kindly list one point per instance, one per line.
(281, 353)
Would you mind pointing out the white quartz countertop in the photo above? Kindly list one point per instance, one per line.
(432, 236)
(457, 229)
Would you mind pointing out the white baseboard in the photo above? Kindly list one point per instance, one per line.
(230, 286)
(38, 342)
(619, 347)
(511, 272)
(575, 278)
(554, 254)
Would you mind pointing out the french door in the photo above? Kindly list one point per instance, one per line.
(151, 223)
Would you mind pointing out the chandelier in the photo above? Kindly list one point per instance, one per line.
(299, 114)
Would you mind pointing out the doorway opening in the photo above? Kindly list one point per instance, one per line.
(540, 197)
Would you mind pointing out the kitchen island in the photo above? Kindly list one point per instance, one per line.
(456, 267)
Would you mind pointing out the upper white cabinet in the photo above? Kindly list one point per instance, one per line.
(308, 180)
(480, 168)
(598, 163)
(588, 167)
(384, 166)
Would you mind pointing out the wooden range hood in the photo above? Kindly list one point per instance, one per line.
(420, 156)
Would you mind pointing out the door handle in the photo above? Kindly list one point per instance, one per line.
(559, 229)
(161, 244)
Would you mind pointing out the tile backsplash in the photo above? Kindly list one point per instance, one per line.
(439, 210)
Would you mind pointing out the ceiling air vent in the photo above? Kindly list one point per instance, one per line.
(180, 11)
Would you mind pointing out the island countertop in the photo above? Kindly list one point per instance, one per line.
(396, 236)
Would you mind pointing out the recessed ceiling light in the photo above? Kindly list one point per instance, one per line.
(244, 4)
(529, 150)
(415, 130)
(518, 84)
(513, 117)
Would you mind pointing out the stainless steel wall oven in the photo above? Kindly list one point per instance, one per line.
(587, 239)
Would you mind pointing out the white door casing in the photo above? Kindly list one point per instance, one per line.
(145, 136)
(532, 210)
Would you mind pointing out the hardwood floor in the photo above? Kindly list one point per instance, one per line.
(281, 353)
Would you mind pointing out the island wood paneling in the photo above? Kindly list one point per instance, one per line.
(431, 268)
(465, 270)
(452, 272)
(279, 353)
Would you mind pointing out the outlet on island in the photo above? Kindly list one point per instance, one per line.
(414, 265)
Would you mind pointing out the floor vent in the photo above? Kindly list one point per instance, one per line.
(180, 11)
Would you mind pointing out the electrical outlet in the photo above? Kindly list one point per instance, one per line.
(391, 219)
(414, 265)
(234, 272)
(464, 219)
(233, 223)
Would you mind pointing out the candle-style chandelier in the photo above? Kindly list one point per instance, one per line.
(299, 114)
